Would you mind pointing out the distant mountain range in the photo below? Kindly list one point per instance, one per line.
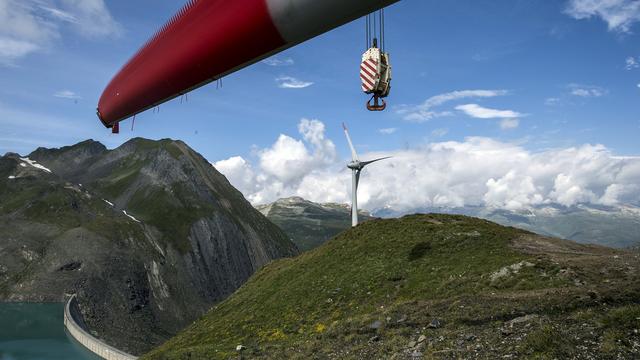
(309, 224)
(148, 235)
(614, 226)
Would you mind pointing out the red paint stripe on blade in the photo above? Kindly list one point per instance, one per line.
(209, 38)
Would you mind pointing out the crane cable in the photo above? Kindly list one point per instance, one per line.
(375, 29)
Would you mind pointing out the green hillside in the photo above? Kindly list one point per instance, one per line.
(427, 286)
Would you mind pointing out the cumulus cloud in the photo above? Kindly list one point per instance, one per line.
(587, 91)
(289, 82)
(631, 63)
(28, 26)
(620, 15)
(277, 61)
(387, 131)
(426, 111)
(477, 171)
(286, 167)
(512, 192)
(239, 173)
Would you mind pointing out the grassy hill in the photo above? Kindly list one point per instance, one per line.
(428, 286)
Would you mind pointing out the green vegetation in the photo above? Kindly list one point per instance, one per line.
(328, 298)
(121, 177)
(547, 343)
(67, 208)
(146, 145)
(173, 212)
(617, 324)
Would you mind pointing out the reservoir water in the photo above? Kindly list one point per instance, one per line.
(36, 332)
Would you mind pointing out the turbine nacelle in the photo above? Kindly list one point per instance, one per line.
(355, 165)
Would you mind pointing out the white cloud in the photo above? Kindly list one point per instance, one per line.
(479, 112)
(67, 94)
(276, 61)
(91, 18)
(239, 173)
(59, 14)
(439, 132)
(313, 132)
(507, 124)
(387, 131)
(285, 166)
(612, 194)
(620, 15)
(425, 111)
(567, 191)
(10, 50)
(512, 192)
(28, 26)
(631, 63)
(288, 82)
(476, 171)
(587, 90)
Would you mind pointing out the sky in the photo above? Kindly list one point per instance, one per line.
(504, 103)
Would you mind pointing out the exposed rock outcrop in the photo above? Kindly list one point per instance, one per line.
(148, 235)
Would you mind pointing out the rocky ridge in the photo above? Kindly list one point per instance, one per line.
(148, 235)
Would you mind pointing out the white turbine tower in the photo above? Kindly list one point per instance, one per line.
(356, 167)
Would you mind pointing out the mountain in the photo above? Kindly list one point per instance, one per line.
(149, 235)
(307, 223)
(310, 224)
(428, 286)
(614, 226)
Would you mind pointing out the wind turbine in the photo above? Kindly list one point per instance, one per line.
(356, 167)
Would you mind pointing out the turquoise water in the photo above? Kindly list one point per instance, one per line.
(36, 332)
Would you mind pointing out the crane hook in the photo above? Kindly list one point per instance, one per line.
(376, 106)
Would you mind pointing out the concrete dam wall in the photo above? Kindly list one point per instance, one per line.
(71, 313)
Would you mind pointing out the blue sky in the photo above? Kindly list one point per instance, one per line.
(555, 75)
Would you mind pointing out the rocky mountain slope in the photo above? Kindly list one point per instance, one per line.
(614, 226)
(307, 223)
(429, 286)
(149, 236)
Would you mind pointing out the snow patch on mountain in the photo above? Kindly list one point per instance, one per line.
(33, 164)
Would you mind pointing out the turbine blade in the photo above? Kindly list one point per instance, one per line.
(354, 155)
(365, 163)
(357, 179)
